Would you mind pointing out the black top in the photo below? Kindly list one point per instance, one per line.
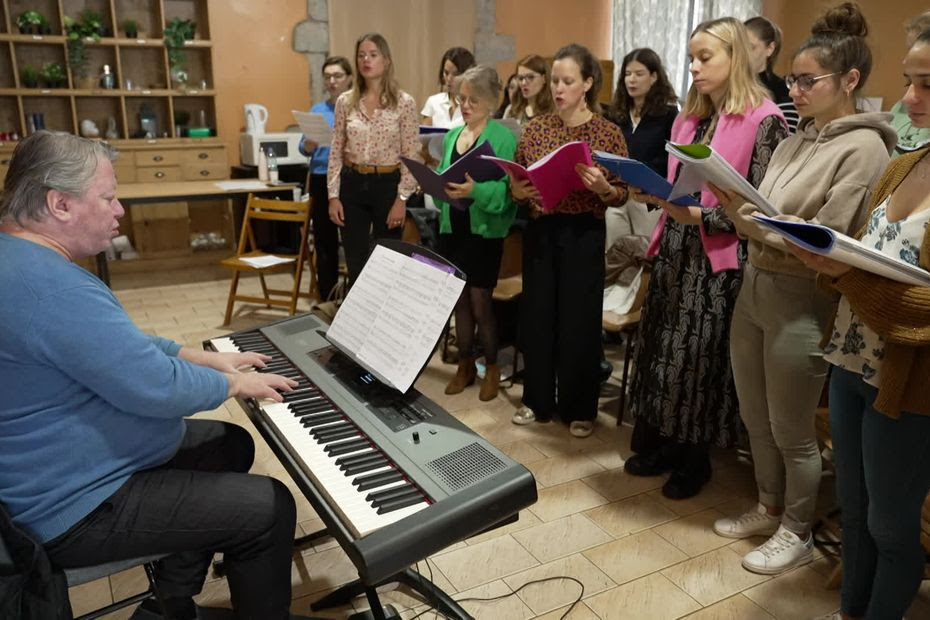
(646, 143)
(776, 85)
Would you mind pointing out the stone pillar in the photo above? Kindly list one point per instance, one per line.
(311, 37)
(490, 47)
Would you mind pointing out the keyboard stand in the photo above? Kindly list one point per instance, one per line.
(430, 592)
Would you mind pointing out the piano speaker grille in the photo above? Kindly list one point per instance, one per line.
(466, 466)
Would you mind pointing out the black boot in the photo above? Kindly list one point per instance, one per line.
(655, 463)
(690, 476)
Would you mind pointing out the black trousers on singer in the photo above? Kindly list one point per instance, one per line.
(199, 502)
(366, 200)
(325, 237)
(561, 309)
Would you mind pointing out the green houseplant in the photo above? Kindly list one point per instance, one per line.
(177, 31)
(131, 28)
(87, 28)
(29, 76)
(53, 75)
(32, 22)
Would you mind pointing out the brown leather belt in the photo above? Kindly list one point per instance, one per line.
(370, 169)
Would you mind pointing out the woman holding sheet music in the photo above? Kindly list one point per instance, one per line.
(879, 400)
(682, 393)
(473, 238)
(375, 123)
(824, 174)
(563, 252)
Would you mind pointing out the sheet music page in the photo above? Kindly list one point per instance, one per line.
(393, 323)
(314, 127)
(362, 305)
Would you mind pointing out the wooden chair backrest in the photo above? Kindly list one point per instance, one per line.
(512, 257)
(272, 210)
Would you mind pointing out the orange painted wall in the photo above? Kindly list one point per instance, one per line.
(254, 62)
(886, 37)
(543, 26)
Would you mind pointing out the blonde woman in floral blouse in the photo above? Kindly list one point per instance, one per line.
(375, 124)
(563, 253)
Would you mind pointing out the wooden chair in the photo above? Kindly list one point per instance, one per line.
(274, 210)
(626, 325)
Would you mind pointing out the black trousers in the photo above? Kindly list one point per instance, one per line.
(325, 237)
(561, 309)
(198, 503)
(366, 200)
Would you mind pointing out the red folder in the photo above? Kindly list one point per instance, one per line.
(554, 175)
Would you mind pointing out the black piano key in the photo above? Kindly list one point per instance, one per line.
(299, 394)
(377, 497)
(363, 467)
(311, 421)
(332, 428)
(373, 481)
(311, 407)
(346, 447)
(355, 458)
(336, 435)
(401, 502)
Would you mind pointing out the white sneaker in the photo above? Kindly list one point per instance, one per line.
(783, 551)
(581, 428)
(756, 522)
(523, 415)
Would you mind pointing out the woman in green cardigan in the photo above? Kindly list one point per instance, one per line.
(473, 238)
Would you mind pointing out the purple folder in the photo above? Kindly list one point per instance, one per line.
(434, 183)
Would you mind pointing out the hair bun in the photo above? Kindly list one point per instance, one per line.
(842, 20)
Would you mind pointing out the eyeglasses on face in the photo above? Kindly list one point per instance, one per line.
(527, 77)
(334, 76)
(471, 101)
(806, 82)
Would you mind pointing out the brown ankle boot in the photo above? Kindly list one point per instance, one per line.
(492, 380)
(464, 376)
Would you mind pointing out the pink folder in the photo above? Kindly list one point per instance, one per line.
(554, 175)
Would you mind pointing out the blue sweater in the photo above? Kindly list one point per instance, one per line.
(86, 399)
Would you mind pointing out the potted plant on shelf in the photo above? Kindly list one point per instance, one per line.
(32, 22)
(177, 31)
(29, 76)
(53, 75)
(88, 28)
(131, 28)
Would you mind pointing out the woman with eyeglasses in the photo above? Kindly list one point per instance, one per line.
(764, 38)
(879, 400)
(337, 79)
(563, 252)
(441, 110)
(682, 393)
(825, 174)
(375, 123)
(533, 98)
(473, 237)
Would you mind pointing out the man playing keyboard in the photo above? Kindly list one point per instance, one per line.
(97, 460)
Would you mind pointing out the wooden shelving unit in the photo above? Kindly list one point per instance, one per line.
(140, 66)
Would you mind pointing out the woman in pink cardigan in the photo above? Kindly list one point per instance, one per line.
(682, 394)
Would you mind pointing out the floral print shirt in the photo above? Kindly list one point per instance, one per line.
(378, 140)
(853, 345)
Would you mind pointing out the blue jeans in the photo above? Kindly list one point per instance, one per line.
(882, 478)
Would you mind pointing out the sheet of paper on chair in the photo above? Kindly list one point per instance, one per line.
(267, 260)
(241, 184)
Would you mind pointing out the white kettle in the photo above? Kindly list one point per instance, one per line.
(256, 115)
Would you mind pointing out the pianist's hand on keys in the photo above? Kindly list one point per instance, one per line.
(259, 385)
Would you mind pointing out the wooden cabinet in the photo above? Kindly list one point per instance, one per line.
(143, 85)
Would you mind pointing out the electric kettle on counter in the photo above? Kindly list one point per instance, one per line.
(256, 115)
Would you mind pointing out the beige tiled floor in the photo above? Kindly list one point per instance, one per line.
(638, 554)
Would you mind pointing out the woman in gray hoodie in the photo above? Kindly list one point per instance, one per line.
(825, 174)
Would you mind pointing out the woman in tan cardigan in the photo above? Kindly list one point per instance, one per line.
(879, 390)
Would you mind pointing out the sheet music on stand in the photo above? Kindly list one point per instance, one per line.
(394, 314)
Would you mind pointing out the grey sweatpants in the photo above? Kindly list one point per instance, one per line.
(779, 371)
